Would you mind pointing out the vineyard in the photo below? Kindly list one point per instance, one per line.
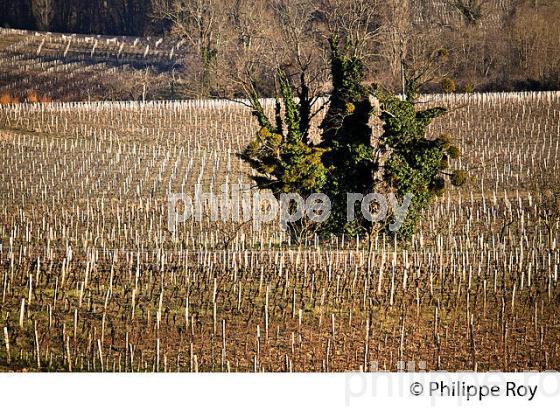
(93, 280)
(83, 68)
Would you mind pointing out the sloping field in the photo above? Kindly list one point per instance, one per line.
(93, 280)
(83, 68)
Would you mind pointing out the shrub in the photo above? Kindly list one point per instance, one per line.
(416, 163)
(346, 134)
(6, 99)
(468, 88)
(454, 152)
(285, 161)
(32, 97)
(448, 85)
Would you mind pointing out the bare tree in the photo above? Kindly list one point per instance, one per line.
(471, 10)
(43, 11)
(415, 55)
(357, 22)
(249, 50)
(199, 23)
(301, 54)
(398, 33)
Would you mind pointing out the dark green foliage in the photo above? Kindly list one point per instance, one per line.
(416, 164)
(347, 135)
(347, 160)
(346, 121)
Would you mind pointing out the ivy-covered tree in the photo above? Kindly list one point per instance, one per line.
(416, 165)
(282, 154)
(347, 138)
(402, 161)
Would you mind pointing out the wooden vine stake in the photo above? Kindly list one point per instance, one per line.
(7, 343)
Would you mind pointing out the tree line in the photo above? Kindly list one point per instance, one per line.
(111, 17)
(446, 46)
